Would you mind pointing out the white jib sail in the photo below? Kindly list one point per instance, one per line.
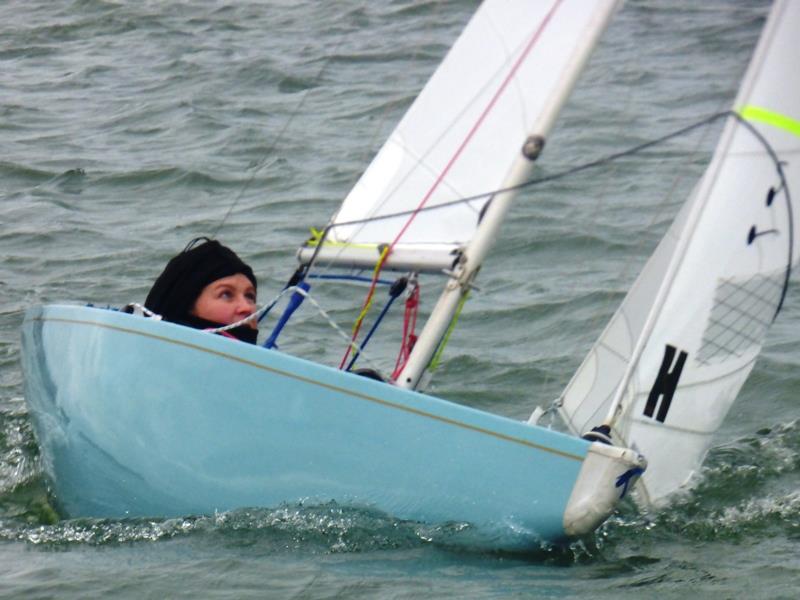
(503, 79)
(676, 353)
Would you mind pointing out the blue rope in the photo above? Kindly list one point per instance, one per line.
(350, 278)
(624, 480)
(394, 292)
(294, 303)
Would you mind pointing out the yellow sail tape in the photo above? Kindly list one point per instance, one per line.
(762, 115)
(375, 273)
(316, 236)
(437, 357)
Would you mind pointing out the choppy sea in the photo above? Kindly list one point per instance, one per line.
(128, 128)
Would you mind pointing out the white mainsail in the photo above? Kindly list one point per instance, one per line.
(667, 368)
(505, 78)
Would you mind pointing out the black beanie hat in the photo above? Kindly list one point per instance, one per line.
(176, 290)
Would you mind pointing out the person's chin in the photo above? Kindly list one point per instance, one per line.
(245, 333)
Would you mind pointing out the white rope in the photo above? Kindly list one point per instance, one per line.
(353, 345)
(142, 310)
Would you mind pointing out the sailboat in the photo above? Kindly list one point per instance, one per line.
(140, 417)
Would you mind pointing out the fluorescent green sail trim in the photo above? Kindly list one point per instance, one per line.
(316, 236)
(756, 113)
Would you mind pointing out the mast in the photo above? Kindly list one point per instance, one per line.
(472, 257)
(462, 277)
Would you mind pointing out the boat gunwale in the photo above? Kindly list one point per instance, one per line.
(342, 390)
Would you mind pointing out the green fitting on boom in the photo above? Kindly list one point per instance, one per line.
(434, 364)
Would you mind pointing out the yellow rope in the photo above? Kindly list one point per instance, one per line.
(368, 303)
(316, 237)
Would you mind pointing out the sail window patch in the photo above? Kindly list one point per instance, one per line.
(742, 312)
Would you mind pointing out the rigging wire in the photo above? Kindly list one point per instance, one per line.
(599, 162)
(785, 187)
(637, 149)
(617, 405)
(596, 163)
(320, 239)
(295, 111)
(593, 164)
(626, 269)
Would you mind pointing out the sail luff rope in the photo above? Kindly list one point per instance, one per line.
(754, 113)
(470, 134)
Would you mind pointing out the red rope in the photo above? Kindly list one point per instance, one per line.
(523, 55)
(409, 337)
(362, 314)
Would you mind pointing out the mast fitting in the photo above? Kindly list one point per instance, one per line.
(532, 147)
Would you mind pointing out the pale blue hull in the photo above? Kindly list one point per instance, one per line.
(142, 418)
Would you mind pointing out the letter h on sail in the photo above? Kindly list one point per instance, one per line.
(666, 383)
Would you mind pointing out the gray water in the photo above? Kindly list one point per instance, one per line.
(127, 128)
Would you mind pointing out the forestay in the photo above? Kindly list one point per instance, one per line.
(667, 368)
(504, 78)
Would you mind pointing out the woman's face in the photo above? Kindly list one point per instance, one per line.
(227, 300)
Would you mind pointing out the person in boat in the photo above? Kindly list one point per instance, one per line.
(207, 286)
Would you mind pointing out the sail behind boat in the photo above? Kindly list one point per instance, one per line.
(687, 335)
